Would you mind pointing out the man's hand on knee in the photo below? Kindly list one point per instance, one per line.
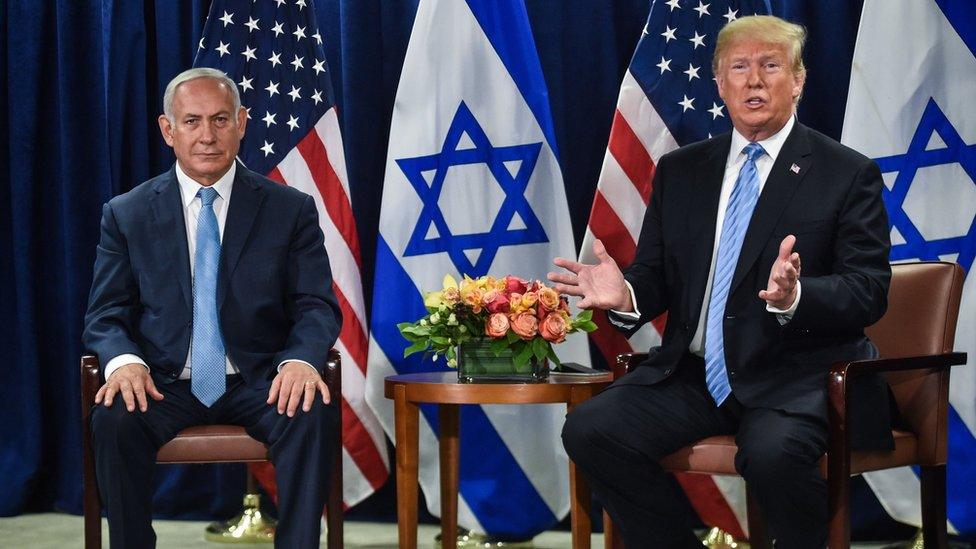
(133, 382)
(296, 383)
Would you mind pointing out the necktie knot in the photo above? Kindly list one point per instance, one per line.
(207, 195)
(753, 151)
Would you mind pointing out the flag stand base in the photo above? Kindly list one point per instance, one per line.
(472, 540)
(248, 527)
(716, 538)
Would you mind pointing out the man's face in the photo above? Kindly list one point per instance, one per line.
(758, 86)
(206, 132)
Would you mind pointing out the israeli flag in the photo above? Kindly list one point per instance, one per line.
(910, 107)
(473, 187)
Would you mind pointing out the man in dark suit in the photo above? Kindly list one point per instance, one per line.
(748, 340)
(211, 303)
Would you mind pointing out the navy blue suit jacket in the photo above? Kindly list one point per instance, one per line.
(274, 289)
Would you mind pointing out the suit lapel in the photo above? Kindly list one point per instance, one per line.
(245, 201)
(167, 209)
(707, 189)
(788, 171)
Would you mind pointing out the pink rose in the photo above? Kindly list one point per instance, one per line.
(515, 285)
(526, 325)
(497, 325)
(495, 301)
(553, 328)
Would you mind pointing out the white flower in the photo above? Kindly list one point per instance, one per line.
(423, 321)
(452, 320)
(435, 318)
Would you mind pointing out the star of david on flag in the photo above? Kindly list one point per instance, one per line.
(514, 209)
(473, 187)
(910, 108)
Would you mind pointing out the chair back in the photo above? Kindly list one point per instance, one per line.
(923, 304)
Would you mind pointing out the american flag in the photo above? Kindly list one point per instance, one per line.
(668, 98)
(273, 50)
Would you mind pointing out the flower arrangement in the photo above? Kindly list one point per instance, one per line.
(524, 317)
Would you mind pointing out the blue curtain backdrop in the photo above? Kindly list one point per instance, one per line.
(81, 88)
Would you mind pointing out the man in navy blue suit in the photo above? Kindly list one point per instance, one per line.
(211, 302)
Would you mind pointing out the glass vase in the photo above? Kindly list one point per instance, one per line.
(478, 364)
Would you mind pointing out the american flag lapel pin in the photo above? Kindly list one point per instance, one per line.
(794, 168)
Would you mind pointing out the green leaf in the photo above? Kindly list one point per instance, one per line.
(522, 356)
(498, 346)
(415, 348)
(512, 337)
(440, 340)
(588, 327)
(552, 356)
(540, 348)
(585, 315)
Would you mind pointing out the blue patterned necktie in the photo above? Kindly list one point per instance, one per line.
(745, 194)
(208, 373)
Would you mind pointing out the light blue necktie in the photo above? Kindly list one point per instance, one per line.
(745, 194)
(208, 373)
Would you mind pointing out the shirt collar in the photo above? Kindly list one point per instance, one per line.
(189, 187)
(772, 145)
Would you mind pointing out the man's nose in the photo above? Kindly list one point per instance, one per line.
(754, 77)
(207, 135)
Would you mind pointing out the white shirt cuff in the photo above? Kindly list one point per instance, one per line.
(283, 362)
(121, 361)
(628, 319)
(786, 315)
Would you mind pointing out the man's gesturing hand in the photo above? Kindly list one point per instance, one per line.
(601, 286)
(134, 383)
(296, 383)
(780, 292)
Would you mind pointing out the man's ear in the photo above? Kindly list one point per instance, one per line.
(241, 122)
(166, 128)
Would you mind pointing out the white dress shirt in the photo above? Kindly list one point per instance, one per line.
(191, 213)
(764, 164)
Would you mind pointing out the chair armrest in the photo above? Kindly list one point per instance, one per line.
(925, 362)
(628, 361)
(332, 375)
(838, 398)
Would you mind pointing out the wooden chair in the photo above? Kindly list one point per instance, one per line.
(201, 444)
(915, 338)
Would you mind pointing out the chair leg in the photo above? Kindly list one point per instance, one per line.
(758, 530)
(839, 510)
(92, 507)
(933, 480)
(334, 507)
(611, 535)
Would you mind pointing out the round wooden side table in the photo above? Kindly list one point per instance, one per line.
(443, 389)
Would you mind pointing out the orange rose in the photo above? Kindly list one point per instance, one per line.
(553, 328)
(548, 298)
(526, 325)
(497, 325)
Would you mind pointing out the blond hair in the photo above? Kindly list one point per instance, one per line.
(767, 29)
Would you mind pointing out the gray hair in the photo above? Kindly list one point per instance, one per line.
(193, 74)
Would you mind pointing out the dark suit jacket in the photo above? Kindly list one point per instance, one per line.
(274, 289)
(833, 205)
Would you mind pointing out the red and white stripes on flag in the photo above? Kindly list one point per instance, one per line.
(317, 167)
(638, 139)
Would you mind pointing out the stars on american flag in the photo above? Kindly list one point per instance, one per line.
(674, 65)
(271, 47)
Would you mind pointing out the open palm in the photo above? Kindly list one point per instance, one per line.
(601, 285)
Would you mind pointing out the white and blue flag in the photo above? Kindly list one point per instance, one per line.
(910, 107)
(473, 187)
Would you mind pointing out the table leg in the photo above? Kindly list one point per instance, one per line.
(579, 502)
(407, 418)
(450, 453)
